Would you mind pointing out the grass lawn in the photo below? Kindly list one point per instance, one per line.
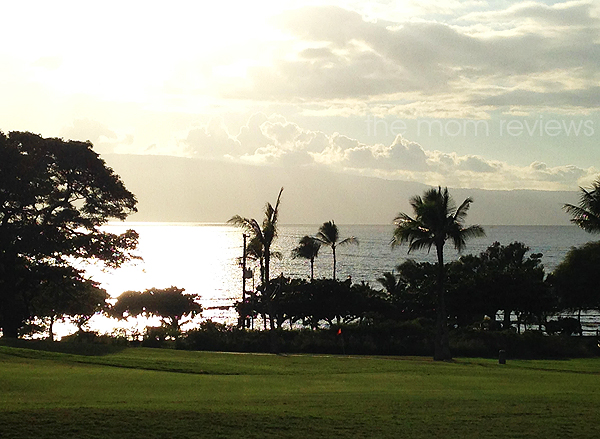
(146, 393)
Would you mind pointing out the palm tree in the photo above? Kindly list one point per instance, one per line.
(264, 235)
(587, 214)
(254, 252)
(389, 282)
(329, 235)
(308, 248)
(436, 220)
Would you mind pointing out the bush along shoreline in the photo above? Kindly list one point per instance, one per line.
(410, 338)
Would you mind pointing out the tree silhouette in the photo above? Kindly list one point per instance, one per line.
(308, 248)
(329, 235)
(575, 279)
(436, 220)
(389, 282)
(170, 304)
(254, 252)
(587, 214)
(63, 291)
(54, 197)
(264, 235)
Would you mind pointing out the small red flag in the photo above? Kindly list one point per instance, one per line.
(339, 331)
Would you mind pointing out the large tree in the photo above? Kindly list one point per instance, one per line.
(329, 235)
(263, 235)
(55, 196)
(587, 214)
(436, 219)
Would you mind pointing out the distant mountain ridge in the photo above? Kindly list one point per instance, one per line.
(171, 189)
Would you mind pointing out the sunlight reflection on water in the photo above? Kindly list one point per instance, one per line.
(202, 258)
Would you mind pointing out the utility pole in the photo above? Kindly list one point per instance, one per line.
(244, 283)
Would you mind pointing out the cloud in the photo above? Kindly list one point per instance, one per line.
(102, 137)
(516, 56)
(584, 98)
(401, 154)
(275, 141)
(87, 129)
(572, 14)
(211, 141)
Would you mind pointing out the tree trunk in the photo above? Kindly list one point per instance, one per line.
(333, 250)
(506, 324)
(266, 280)
(12, 314)
(442, 336)
(10, 328)
(267, 286)
(51, 329)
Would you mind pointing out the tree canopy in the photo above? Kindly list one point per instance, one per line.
(54, 197)
(308, 248)
(575, 278)
(169, 304)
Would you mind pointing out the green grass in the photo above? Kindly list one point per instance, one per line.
(145, 393)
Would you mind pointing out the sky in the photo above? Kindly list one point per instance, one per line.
(475, 94)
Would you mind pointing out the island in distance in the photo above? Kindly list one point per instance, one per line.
(177, 189)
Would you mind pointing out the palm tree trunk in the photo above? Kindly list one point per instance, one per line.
(442, 337)
(267, 287)
(312, 269)
(267, 269)
(333, 250)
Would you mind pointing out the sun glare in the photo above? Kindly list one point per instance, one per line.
(185, 256)
(122, 51)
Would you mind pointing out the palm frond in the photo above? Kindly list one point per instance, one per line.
(474, 231)
(585, 219)
(328, 233)
(461, 212)
(401, 218)
(576, 211)
(308, 248)
(436, 219)
(460, 236)
(411, 231)
(350, 240)
(587, 214)
(416, 202)
(421, 243)
(248, 224)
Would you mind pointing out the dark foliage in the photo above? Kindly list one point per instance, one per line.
(413, 337)
(575, 279)
(54, 197)
(170, 304)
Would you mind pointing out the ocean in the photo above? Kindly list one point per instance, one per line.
(205, 258)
